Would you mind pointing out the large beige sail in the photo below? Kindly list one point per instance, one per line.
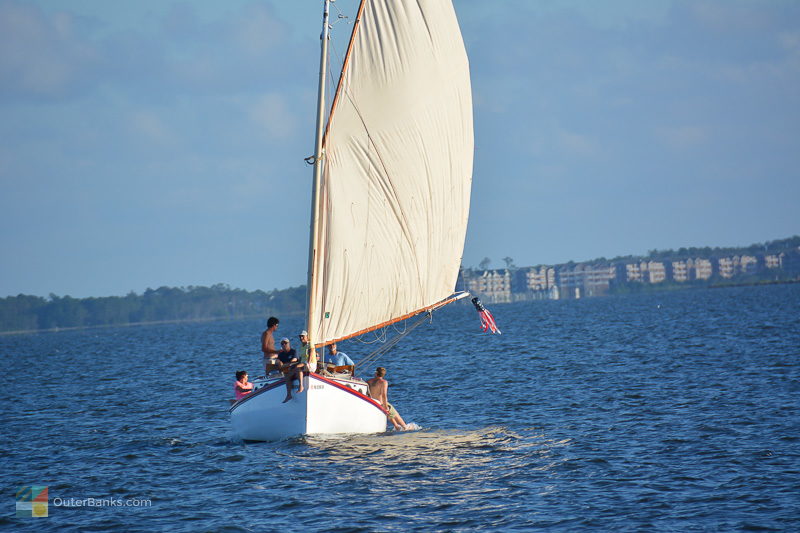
(394, 198)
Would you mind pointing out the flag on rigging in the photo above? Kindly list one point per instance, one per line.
(487, 320)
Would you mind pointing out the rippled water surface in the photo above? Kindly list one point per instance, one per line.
(674, 411)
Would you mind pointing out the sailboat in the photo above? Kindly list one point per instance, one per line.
(390, 203)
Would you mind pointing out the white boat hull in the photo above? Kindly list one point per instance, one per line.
(327, 406)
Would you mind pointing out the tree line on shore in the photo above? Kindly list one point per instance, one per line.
(770, 247)
(32, 313)
(789, 245)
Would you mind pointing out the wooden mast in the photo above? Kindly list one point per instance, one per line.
(318, 155)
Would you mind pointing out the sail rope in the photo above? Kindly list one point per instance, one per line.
(388, 345)
(341, 17)
(380, 335)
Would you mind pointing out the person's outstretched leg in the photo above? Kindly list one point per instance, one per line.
(288, 378)
(398, 421)
(298, 371)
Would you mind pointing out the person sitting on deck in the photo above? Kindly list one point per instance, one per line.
(379, 391)
(307, 355)
(337, 358)
(287, 354)
(291, 367)
(242, 387)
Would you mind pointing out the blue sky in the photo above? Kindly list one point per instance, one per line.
(161, 143)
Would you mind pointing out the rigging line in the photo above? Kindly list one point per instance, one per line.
(384, 333)
(330, 82)
(339, 85)
(382, 350)
(341, 16)
(380, 336)
(397, 329)
(341, 58)
(434, 307)
(385, 348)
(329, 78)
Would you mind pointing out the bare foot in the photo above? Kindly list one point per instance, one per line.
(288, 397)
(301, 389)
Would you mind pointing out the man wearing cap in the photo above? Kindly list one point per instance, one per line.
(287, 354)
(291, 367)
(307, 355)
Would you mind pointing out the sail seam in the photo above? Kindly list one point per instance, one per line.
(400, 215)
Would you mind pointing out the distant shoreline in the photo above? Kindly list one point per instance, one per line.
(136, 324)
(165, 305)
(753, 283)
(257, 316)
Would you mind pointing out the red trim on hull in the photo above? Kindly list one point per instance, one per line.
(282, 381)
(271, 386)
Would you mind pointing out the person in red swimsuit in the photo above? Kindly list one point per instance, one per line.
(242, 387)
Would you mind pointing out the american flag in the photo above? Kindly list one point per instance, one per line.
(487, 320)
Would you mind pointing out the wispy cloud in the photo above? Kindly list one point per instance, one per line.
(273, 115)
(41, 56)
(151, 126)
(681, 137)
(576, 144)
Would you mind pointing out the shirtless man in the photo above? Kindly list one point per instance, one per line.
(378, 390)
(268, 346)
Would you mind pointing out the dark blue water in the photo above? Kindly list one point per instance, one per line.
(669, 412)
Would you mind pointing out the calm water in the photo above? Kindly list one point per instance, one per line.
(668, 412)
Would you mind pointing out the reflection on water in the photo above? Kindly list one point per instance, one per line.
(480, 461)
(463, 474)
(430, 447)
